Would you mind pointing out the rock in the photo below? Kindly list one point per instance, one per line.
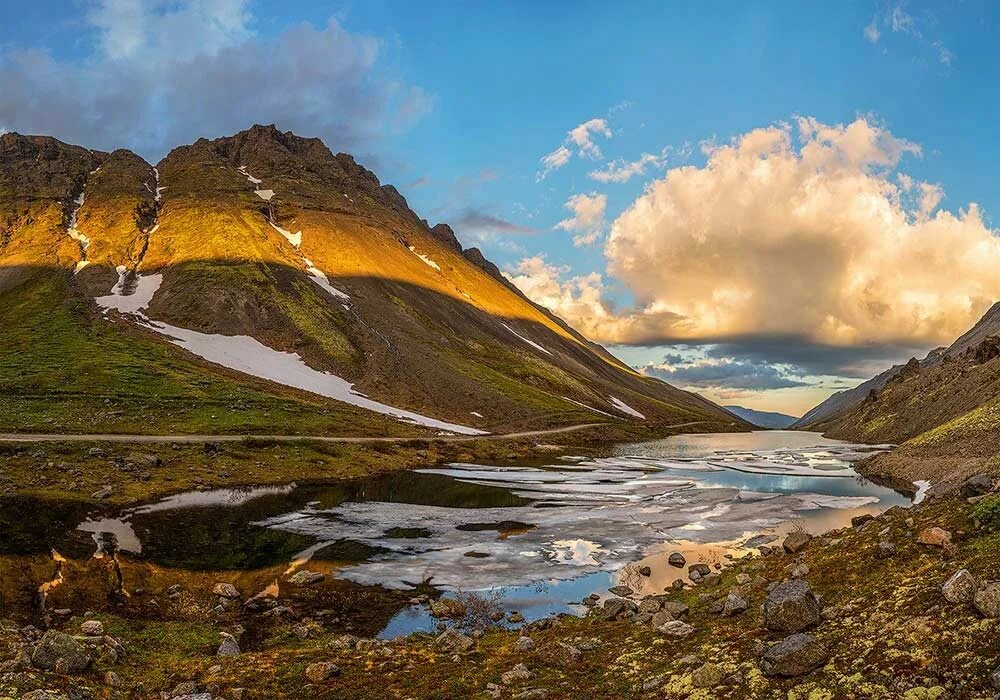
(743, 579)
(960, 587)
(306, 578)
(321, 671)
(711, 580)
(791, 607)
(700, 569)
(524, 644)
(734, 605)
(454, 641)
(518, 673)
(226, 590)
(795, 655)
(800, 570)
(102, 493)
(623, 591)
(707, 676)
(859, 520)
(112, 680)
(995, 678)
(987, 599)
(885, 550)
(661, 618)
(934, 537)
(677, 609)
(59, 652)
(976, 486)
(92, 628)
(796, 541)
(447, 608)
(229, 646)
(676, 559)
(645, 571)
(618, 608)
(678, 584)
(650, 605)
(515, 618)
(676, 628)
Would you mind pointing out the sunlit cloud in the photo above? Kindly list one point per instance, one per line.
(587, 221)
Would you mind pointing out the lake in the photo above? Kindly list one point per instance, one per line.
(538, 536)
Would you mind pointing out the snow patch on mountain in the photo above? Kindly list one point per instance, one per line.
(427, 260)
(529, 342)
(625, 408)
(294, 238)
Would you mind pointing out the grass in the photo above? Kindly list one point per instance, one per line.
(63, 370)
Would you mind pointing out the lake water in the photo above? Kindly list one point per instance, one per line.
(543, 535)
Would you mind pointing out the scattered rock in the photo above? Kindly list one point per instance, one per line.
(795, 655)
(791, 607)
(447, 608)
(742, 579)
(623, 591)
(978, 485)
(515, 618)
(676, 628)
(455, 641)
(796, 541)
(102, 493)
(306, 578)
(960, 587)
(92, 628)
(676, 559)
(518, 673)
(858, 521)
(735, 605)
(678, 584)
(696, 571)
(661, 618)
(524, 644)
(321, 671)
(645, 571)
(618, 608)
(229, 646)
(707, 676)
(59, 652)
(712, 579)
(995, 678)
(885, 550)
(800, 570)
(987, 599)
(226, 590)
(934, 537)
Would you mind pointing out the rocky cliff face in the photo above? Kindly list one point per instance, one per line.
(271, 237)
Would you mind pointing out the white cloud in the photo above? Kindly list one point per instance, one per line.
(160, 74)
(623, 171)
(803, 231)
(872, 33)
(553, 161)
(901, 21)
(581, 137)
(806, 231)
(588, 217)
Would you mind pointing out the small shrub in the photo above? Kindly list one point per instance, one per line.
(987, 512)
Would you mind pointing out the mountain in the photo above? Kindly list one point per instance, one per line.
(260, 280)
(944, 411)
(763, 419)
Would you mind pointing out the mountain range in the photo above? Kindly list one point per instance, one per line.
(260, 280)
(763, 419)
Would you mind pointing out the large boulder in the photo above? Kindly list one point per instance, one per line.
(976, 486)
(960, 587)
(618, 609)
(734, 605)
(987, 599)
(796, 541)
(791, 607)
(676, 628)
(454, 641)
(676, 559)
(321, 671)
(934, 537)
(795, 655)
(59, 652)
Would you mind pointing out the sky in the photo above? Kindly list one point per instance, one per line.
(761, 202)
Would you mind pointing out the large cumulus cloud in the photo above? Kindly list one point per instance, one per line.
(162, 73)
(804, 231)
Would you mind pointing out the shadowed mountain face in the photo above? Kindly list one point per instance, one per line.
(269, 236)
(949, 401)
(763, 419)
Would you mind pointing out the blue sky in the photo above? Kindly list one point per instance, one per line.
(457, 103)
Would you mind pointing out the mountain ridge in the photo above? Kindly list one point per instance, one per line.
(269, 236)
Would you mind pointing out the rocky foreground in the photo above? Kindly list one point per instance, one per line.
(904, 605)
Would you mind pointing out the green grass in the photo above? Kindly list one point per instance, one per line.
(65, 369)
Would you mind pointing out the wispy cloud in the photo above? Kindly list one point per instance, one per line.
(623, 171)
(896, 19)
(582, 138)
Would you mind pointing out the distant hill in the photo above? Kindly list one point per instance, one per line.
(763, 419)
